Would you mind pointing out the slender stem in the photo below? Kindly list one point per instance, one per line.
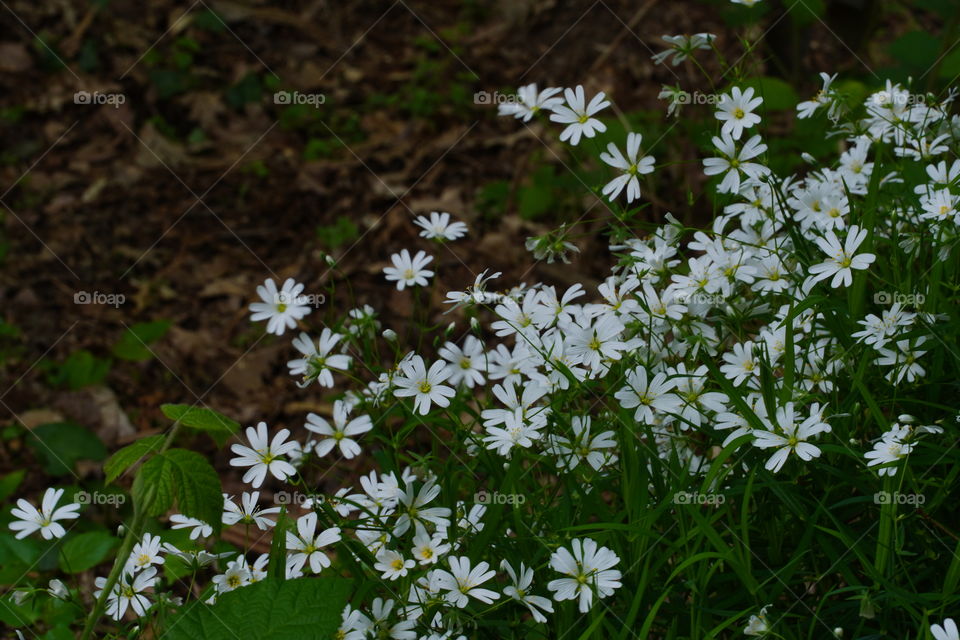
(132, 535)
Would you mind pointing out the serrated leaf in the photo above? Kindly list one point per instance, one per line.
(130, 455)
(135, 341)
(85, 551)
(219, 426)
(154, 486)
(197, 486)
(61, 444)
(300, 609)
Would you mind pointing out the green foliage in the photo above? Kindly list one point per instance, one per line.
(84, 551)
(10, 482)
(182, 475)
(248, 89)
(80, 369)
(301, 609)
(135, 342)
(777, 95)
(219, 426)
(130, 455)
(61, 444)
(338, 234)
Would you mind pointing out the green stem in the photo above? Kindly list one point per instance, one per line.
(132, 535)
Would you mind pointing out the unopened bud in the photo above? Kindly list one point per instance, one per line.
(390, 335)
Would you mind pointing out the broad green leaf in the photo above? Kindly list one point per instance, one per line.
(200, 418)
(777, 95)
(135, 342)
(153, 488)
(10, 482)
(301, 609)
(16, 557)
(130, 455)
(916, 50)
(81, 369)
(197, 486)
(85, 551)
(61, 444)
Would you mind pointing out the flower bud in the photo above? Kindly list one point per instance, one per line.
(390, 335)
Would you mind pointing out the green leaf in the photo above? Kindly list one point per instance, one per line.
(200, 418)
(301, 609)
(85, 551)
(917, 50)
(198, 486)
(10, 482)
(61, 444)
(777, 95)
(154, 486)
(219, 426)
(130, 455)
(17, 557)
(81, 369)
(276, 566)
(135, 341)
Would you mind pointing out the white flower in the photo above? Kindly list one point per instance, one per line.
(144, 554)
(842, 258)
(237, 575)
(318, 364)
(516, 432)
(649, 399)
(280, 308)
(519, 591)
(531, 102)
(407, 271)
(249, 513)
(126, 593)
(631, 167)
(426, 549)
(890, 449)
(581, 446)
(947, 632)
(199, 528)
(425, 386)
(758, 625)
(412, 507)
(588, 568)
(462, 582)
(733, 162)
(683, 46)
(57, 589)
(467, 364)
(824, 97)
(44, 520)
(262, 456)
(735, 111)
(306, 546)
(392, 565)
(439, 227)
(339, 434)
(741, 364)
(794, 437)
(578, 116)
